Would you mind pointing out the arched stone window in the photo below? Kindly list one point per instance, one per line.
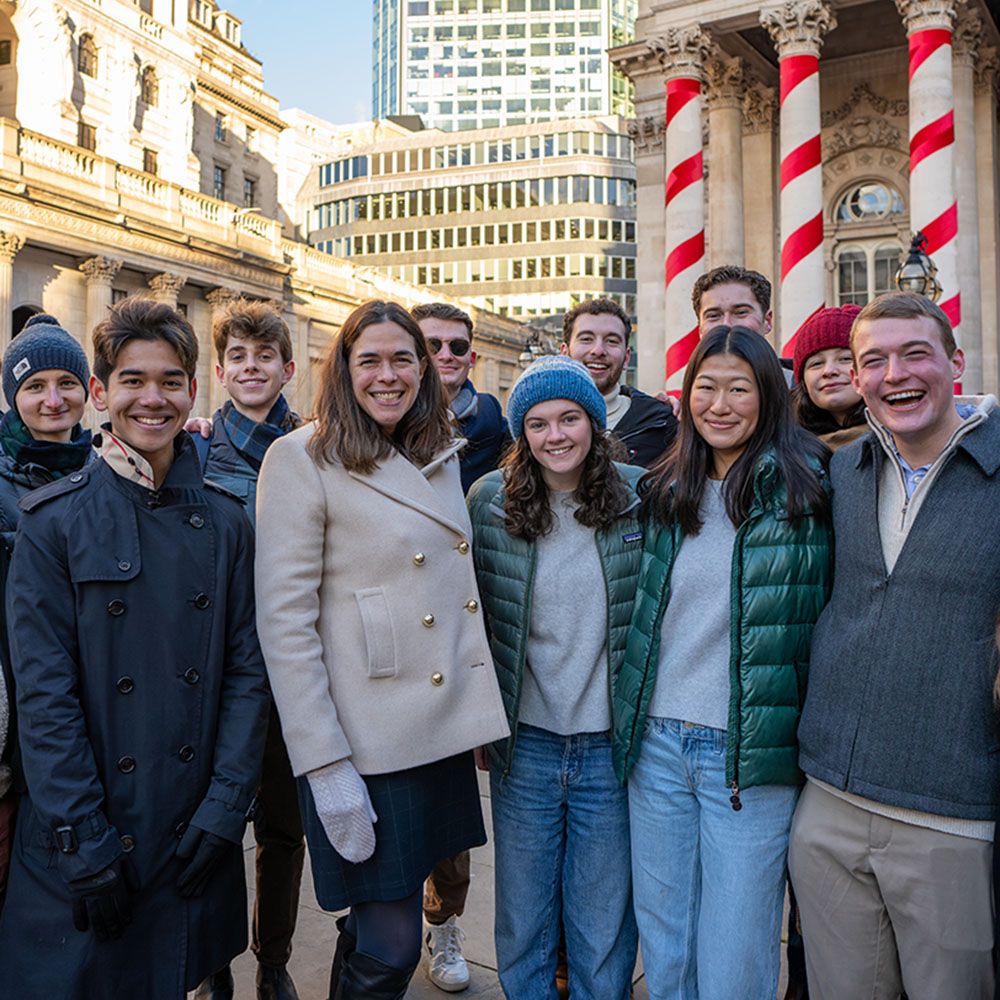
(869, 201)
(87, 60)
(150, 87)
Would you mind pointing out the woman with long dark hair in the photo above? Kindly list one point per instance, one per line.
(369, 621)
(825, 400)
(735, 571)
(557, 551)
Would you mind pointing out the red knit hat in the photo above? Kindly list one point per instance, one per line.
(825, 329)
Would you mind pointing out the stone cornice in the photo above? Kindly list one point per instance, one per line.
(797, 27)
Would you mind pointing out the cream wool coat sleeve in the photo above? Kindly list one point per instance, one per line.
(368, 611)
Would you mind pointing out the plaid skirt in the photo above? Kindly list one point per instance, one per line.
(425, 814)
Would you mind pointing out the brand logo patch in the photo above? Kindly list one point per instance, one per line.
(635, 536)
(23, 366)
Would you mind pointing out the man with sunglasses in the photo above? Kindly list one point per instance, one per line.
(480, 420)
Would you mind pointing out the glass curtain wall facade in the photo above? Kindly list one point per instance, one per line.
(467, 64)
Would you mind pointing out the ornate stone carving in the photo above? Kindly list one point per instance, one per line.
(864, 130)
(918, 15)
(166, 285)
(682, 51)
(986, 69)
(100, 270)
(760, 108)
(219, 298)
(10, 243)
(797, 27)
(967, 36)
(862, 92)
(726, 79)
(647, 132)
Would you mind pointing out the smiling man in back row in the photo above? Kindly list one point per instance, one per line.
(891, 845)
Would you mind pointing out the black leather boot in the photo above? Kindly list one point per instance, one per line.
(218, 986)
(346, 943)
(274, 983)
(366, 978)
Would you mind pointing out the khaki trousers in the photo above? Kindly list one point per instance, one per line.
(887, 906)
(446, 889)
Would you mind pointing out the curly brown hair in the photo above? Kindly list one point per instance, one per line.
(600, 493)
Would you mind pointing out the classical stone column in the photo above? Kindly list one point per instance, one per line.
(10, 243)
(965, 48)
(933, 206)
(987, 125)
(797, 29)
(166, 287)
(682, 55)
(100, 273)
(211, 394)
(760, 113)
(726, 84)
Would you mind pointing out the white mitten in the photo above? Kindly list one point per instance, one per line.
(344, 809)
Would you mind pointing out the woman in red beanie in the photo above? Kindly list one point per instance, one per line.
(824, 398)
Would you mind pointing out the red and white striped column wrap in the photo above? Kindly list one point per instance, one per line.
(685, 221)
(933, 206)
(797, 31)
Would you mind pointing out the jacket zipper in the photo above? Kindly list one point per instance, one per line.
(736, 689)
(522, 658)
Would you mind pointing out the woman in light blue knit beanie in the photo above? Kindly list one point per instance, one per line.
(557, 551)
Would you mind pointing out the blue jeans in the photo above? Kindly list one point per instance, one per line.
(561, 843)
(709, 881)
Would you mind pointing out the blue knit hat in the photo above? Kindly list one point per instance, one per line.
(554, 376)
(42, 344)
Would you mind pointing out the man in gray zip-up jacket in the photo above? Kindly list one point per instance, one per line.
(891, 846)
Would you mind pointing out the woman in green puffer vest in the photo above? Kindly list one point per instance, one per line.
(557, 549)
(735, 572)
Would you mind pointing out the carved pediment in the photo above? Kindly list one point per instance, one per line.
(863, 93)
(862, 130)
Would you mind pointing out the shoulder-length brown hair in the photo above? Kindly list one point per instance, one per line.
(601, 493)
(345, 432)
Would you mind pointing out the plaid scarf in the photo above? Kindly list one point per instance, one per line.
(59, 457)
(251, 439)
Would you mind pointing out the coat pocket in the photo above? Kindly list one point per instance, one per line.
(379, 638)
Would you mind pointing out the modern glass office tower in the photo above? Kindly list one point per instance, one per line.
(464, 64)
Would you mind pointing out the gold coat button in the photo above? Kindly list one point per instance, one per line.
(437, 679)
(463, 546)
(419, 558)
(472, 606)
(428, 620)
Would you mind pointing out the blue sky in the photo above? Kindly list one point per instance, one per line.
(316, 53)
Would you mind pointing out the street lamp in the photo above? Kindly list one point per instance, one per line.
(918, 272)
(533, 349)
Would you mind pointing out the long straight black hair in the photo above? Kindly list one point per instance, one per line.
(675, 485)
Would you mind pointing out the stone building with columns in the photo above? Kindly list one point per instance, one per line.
(139, 152)
(808, 139)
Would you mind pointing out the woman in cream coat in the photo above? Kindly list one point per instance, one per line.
(369, 620)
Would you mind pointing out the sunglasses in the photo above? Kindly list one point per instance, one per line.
(459, 348)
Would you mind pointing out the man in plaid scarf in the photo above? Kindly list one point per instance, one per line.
(254, 349)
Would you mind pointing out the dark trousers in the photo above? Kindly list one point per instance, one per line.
(280, 852)
(446, 888)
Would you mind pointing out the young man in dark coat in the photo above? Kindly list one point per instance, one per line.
(141, 696)
(596, 333)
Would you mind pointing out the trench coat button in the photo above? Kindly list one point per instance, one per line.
(126, 764)
(179, 830)
(196, 521)
(202, 601)
(463, 546)
(124, 565)
(76, 477)
(419, 559)
(471, 605)
(428, 620)
(437, 679)
(125, 684)
(128, 844)
(186, 754)
(116, 608)
(191, 675)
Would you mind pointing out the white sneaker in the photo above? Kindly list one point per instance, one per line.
(447, 969)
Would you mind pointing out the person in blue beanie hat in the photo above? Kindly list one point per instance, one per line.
(557, 549)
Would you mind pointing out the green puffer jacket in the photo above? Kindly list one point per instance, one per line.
(781, 580)
(505, 570)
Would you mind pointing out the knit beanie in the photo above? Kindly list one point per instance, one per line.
(825, 329)
(554, 376)
(40, 345)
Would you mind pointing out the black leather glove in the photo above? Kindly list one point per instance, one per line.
(101, 901)
(205, 851)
